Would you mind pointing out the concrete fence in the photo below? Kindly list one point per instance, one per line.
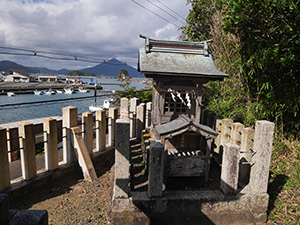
(243, 152)
(98, 131)
(97, 135)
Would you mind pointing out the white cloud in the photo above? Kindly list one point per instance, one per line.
(101, 28)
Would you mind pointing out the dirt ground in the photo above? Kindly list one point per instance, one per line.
(72, 200)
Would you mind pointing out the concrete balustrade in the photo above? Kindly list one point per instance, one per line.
(87, 129)
(230, 168)
(132, 115)
(255, 151)
(263, 140)
(100, 130)
(156, 170)
(122, 164)
(69, 121)
(4, 164)
(50, 138)
(124, 112)
(246, 154)
(140, 120)
(113, 115)
(27, 150)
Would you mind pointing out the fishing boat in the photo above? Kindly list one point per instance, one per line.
(11, 94)
(83, 90)
(69, 91)
(59, 91)
(36, 92)
(50, 92)
(94, 108)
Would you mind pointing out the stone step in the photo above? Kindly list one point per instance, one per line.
(34, 217)
(4, 209)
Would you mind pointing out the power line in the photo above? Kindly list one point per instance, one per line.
(171, 10)
(165, 12)
(155, 14)
(45, 54)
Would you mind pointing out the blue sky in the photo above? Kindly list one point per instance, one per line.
(94, 28)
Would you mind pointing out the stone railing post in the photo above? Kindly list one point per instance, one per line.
(113, 115)
(100, 130)
(122, 154)
(132, 115)
(226, 131)
(50, 138)
(69, 121)
(263, 140)
(27, 150)
(4, 164)
(156, 170)
(230, 168)
(218, 138)
(237, 133)
(246, 154)
(124, 114)
(140, 122)
(87, 129)
(148, 114)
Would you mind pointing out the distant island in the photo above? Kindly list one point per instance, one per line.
(109, 68)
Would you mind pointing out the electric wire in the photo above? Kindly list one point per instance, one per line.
(171, 10)
(166, 12)
(155, 14)
(41, 54)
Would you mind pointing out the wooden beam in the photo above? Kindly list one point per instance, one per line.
(83, 155)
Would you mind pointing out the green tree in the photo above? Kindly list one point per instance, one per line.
(257, 43)
(144, 94)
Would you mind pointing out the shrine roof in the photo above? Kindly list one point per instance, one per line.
(182, 124)
(177, 58)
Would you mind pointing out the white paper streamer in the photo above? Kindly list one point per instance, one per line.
(187, 97)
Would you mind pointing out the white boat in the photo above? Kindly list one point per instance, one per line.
(83, 90)
(94, 108)
(50, 92)
(59, 91)
(36, 92)
(69, 91)
(11, 94)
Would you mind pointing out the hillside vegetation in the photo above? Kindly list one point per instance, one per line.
(258, 44)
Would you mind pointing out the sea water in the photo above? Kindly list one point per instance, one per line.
(23, 112)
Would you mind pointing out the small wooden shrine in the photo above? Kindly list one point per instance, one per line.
(179, 69)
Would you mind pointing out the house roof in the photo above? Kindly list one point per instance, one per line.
(182, 124)
(177, 58)
(18, 72)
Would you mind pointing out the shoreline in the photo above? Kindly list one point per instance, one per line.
(29, 87)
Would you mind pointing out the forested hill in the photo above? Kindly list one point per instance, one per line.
(8, 65)
(112, 68)
(108, 68)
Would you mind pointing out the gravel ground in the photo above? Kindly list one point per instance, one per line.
(72, 200)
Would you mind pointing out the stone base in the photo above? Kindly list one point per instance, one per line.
(191, 207)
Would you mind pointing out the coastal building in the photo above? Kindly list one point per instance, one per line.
(16, 76)
(45, 78)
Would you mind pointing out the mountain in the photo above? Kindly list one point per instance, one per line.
(109, 68)
(112, 68)
(49, 71)
(8, 65)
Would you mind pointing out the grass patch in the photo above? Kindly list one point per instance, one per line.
(284, 186)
